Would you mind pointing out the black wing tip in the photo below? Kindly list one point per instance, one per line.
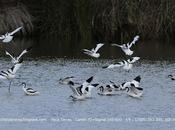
(138, 78)
(95, 85)
(104, 67)
(29, 48)
(90, 79)
(139, 88)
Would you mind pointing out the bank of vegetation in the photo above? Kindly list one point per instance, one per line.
(102, 20)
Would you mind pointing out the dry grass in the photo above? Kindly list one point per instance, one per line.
(108, 20)
(14, 17)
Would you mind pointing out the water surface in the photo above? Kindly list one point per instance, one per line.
(42, 73)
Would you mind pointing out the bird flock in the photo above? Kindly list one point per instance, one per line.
(10, 73)
(82, 91)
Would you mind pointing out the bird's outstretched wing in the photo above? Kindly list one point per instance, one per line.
(136, 90)
(118, 64)
(86, 83)
(74, 90)
(136, 38)
(23, 52)
(133, 59)
(98, 47)
(7, 53)
(16, 30)
(87, 51)
(2, 37)
(117, 45)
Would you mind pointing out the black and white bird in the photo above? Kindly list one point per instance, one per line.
(172, 77)
(29, 91)
(66, 80)
(114, 86)
(126, 47)
(93, 52)
(78, 91)
(10, 73)
(88, 89)
(124, 85)
(16, 59)
(129, 63)
(106, 91)
(134, 91)
(118, 64)
(135, 81)
(9, 36)
(126, 64)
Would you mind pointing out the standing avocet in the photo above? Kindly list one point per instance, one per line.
(29, 91)
(10, 73)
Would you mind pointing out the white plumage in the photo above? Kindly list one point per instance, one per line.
(93, 52)
(79, 91)
(106, 91)
(10, 73)
(134, 91)
(9, 36)
(172, 77)
(126, 47)
(126, 64)
(16, 59)
(66, 80)
(29, 91)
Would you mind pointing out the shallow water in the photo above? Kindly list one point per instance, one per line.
(54, 102)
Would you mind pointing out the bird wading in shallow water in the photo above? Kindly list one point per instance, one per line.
(29, 91)
(134, 91)
(10, 73)
(171, 77)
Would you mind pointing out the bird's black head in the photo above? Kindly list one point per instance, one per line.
(108, 86)
(123, 83)
(23, 84)
(70, 83)
(170, 75)
(132, 85)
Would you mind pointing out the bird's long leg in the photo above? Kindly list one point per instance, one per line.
(10, 85)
